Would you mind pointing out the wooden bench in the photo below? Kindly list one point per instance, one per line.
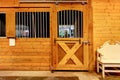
(108, 56)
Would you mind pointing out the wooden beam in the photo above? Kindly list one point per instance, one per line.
(10, 23)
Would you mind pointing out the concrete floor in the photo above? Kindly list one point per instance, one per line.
(81, 75)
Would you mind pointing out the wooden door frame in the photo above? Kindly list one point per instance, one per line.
(60, 7)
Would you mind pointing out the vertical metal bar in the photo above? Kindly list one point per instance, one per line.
(27, 24)
(78, 30)
(43, 24)
(60, 17)
(24, 33)
(30, 21)
(38, 22)
(35, 23)
(64, 17)
(16, 23)
(66, 21)
(61, 21)
(33, 26)
(1, 27)
(2, 23)
(81, 19)
(5, 24)
(19, 25)
(16, 17)
(70, 22)
(22, 24)
(46, 24)
(73, 23)
(58, 23)
(78, 20)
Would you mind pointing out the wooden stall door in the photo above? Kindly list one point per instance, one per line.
(70, 52)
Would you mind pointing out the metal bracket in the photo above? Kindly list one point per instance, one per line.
(86, 42)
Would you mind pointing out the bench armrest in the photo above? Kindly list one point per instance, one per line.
(99, 55)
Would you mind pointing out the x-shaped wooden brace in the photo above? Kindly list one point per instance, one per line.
(70, 53)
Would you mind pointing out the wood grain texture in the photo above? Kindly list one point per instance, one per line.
(106, 20)
(36, 51)
(10, 23)
(28, 54)
(9, 3)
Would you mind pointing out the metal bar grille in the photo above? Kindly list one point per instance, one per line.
(2, 25)
(32, 25)
(70, 24)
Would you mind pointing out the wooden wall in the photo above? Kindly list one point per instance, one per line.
(106, 26)
(9, 3)
(27, 54)
(106, 22)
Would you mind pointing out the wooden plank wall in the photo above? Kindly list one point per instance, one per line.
(106, 22)
(9, 3)
(106, 26)
(27, 54)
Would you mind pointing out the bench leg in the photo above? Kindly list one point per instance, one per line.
(103, 71)
(97, 67)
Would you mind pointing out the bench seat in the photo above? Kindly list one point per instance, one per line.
(108, 55)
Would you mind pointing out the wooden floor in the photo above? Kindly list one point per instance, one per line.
(81, 75)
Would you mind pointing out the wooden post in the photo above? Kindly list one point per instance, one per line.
(10, 23)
